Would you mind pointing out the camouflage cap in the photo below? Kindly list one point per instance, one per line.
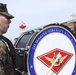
(4, 11)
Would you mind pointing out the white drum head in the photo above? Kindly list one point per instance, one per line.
(53, 52)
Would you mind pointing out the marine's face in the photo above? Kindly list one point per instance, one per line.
(4, 24)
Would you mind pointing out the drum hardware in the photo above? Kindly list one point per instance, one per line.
(30, 32)
(21, 56)
(19, 72)
(40, 28)
(27, 47)
(33, 31)
(21, 51)
(36, 30)
(50, 25)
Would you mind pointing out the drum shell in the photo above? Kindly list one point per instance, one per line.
(21, 47)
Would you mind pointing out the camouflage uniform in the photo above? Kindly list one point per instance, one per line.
(6, 66)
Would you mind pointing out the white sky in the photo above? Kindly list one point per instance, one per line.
(36, 13)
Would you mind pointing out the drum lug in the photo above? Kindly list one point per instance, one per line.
(27, 47)
(21, 72)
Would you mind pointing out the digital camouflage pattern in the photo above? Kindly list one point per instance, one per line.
(6, 65)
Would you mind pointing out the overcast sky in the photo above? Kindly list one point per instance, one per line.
(36, 13)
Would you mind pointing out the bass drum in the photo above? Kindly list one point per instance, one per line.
(22, 46)
(49, 51)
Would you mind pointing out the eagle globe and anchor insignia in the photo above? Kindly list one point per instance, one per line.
(49, 58)
(53, 52)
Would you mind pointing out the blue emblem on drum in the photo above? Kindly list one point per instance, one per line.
(57, 33)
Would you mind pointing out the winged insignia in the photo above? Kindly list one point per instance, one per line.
(59, 61)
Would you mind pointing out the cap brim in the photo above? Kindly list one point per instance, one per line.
(7, 15)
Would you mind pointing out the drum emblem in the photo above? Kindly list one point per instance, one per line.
(51, 61)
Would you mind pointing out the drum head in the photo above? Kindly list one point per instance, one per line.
(53, 52)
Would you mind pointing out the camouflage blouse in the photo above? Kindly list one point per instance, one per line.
(6, 66)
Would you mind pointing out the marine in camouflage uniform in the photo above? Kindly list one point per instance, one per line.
(6, 66)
